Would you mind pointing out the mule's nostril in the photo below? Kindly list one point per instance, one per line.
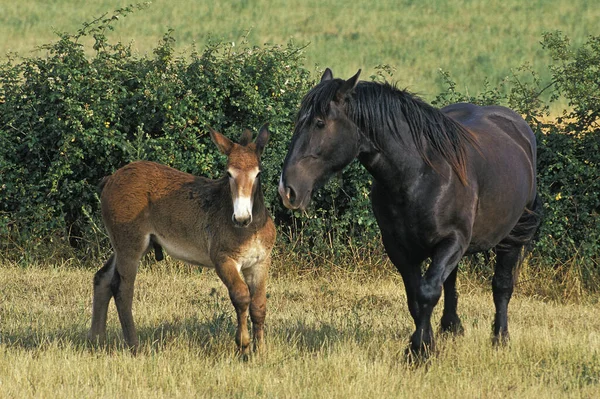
(242, 221)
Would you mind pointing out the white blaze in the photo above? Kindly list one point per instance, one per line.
(242, 185)
(242, 208)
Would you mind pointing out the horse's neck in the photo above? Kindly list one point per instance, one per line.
(392, 163)
(259, 210)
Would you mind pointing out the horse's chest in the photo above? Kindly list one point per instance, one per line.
(402, 220)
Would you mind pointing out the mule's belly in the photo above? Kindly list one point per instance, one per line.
(186, 251)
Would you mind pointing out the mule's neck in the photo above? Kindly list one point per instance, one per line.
(260, 213)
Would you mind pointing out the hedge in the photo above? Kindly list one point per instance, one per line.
(67, 119)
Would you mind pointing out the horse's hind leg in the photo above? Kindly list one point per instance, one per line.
(450, 321)
(502, 287)
(101, 299)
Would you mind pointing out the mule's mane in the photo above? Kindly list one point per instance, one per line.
(381, 109)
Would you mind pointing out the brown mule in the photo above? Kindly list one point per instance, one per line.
(220, 223)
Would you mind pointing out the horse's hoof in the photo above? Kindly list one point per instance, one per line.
(500, 340)
(419, 355)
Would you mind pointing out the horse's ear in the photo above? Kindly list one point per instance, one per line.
(262, 139)
(327, 75)
(223, 143)
(347, 86)
(246, 137)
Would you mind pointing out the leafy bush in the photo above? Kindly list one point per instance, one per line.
(66, 121)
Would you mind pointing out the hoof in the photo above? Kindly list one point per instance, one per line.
(451, 325)
(500, 340)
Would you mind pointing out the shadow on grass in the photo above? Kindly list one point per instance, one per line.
(206, 335)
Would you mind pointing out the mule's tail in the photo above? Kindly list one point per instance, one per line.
(102, 183)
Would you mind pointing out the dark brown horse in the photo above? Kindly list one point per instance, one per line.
(222, 224)
(447, 183)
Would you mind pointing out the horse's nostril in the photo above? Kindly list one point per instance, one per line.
(291, 194)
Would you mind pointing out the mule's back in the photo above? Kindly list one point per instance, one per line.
(145, 201)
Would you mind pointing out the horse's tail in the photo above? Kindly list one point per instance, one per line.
(525, 232)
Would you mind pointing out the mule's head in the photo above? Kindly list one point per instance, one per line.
(325, 141)
(243, 170)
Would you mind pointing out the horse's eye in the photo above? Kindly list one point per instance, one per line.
(320, 123)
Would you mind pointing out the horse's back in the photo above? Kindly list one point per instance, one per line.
(494, 121)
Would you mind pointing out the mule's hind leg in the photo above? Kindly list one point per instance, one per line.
(256, 279)
(122, 286)
(502, 287)
(101, 299)
(450, 321)
(129, 249)
(240, 298)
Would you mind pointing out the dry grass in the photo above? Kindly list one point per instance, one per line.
(335, 334)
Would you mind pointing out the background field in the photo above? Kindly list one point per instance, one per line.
(472, 39)
(335, 335)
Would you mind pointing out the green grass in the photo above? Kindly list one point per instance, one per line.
(338, 334)
(472, 39)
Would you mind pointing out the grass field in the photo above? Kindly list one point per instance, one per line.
(472, 39)
(336, 335)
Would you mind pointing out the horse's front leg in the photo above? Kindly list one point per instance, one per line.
(450, 322)
(444, 260)
(240, 298)
(256, 278)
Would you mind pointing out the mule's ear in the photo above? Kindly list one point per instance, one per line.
(246, 137)
(348, 86)
(223, 143)
(327, 75)
(262, 139)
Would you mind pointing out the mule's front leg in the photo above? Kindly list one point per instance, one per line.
(240, 298)
(443, 262)
(256, 278)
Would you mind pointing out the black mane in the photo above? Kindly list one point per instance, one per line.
(382, 109)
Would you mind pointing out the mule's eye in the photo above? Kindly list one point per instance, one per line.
(320, 123)
(229, 175)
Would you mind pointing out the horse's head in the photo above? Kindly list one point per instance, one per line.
(243, 170)
(325, 141)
